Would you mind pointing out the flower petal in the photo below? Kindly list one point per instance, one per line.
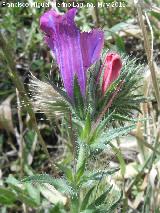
(63, 37)
(91, 44)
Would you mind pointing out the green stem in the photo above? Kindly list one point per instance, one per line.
(72, 142)
(75, 204)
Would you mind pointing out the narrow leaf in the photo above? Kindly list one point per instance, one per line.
(78, 99)
(101, 198)
(86, 199)
(59, 184)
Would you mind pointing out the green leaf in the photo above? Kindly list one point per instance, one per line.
(7, 196)
(97, 175)
(115, 204)
(104, 122)
(81, 161)
(81, 154)
(12, 180)
(23, 196)
(33, 192)
(120, 158)
(109, 136)
(22, 193)
(123, 118)
(80, 171)
(87, 128)
(60, 184)
(78, 99)
(86, 199)
(101, 199)
(100, 128)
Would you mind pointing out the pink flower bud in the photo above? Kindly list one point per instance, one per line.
(112, 67)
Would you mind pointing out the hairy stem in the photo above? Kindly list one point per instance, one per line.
(73, 142)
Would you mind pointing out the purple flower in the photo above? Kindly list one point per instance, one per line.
(75, 51)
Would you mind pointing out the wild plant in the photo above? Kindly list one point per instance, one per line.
(98, 101)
